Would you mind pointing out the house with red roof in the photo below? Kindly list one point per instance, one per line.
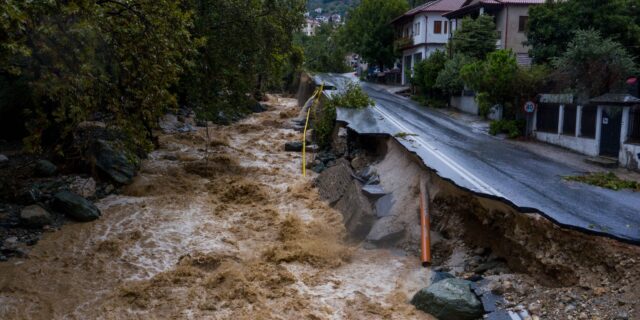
(423, 30)
(511, 18)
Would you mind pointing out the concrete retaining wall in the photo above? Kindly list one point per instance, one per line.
(465, 104)
(582, 145)
(305, 89)
(630, 156)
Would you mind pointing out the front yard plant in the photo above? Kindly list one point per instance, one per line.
(352, 97)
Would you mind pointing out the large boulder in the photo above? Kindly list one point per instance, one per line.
(114, 163)
(45, 168)
(293, 146)
(85, 187)
(449, 299)
(75, 206)
(35, 216)
(4, 160)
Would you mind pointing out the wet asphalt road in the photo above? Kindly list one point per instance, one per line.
(491, 167)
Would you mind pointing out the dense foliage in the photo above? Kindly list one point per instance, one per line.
(449, 80)
(592, 66)
(323, 52)
(352, 97)
(247, 48)
(426, 72)
(369, 32)
(475, 38)
(331, 6)
(492, 79)
(124, 62)
(552, 25)
(498, 80)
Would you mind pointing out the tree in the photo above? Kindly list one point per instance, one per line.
(493, 80)
(323, 51)
(475, 38)
(369, 32)
(247, 47)
(426, 72)
(83, 58)
(592, 66)
(552, 25)
(449, 79)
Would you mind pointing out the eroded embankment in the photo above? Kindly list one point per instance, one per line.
(556, 273)
(218, 225)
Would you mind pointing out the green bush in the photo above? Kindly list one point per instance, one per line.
(426, 72)
(352, 97)
(513, 128)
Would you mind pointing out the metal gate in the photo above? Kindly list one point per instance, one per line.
(610, 137)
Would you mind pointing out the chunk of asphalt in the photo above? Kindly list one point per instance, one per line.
(383, 205)
(490, 301)
(373, 191)
(502, 315)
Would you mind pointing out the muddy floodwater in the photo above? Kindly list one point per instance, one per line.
(217, 227)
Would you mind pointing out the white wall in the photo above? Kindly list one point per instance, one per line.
(465, 104)
(582, 145)
(420, 38)
(629, 156)
(435, 37)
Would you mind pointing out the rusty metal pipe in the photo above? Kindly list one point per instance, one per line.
(425, 226)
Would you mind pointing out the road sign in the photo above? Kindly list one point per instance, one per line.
(529, 107)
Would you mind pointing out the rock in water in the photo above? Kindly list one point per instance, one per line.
(114, 163)
(294, 146)
(83, 187)
(75, 206)
(45, 168)
(35, 216)
(257, 107)
(449, 299)
(4, 160)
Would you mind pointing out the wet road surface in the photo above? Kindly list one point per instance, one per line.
(494, 168)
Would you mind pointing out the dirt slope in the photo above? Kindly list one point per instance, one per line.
(216, 226)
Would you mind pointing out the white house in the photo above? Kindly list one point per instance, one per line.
(423, 30)
(309, 27)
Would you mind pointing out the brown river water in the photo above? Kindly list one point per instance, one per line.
(213, 228)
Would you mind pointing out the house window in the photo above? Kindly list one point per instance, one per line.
(417, 58)
(547, 118)
(634, 125)
(446, 27)
(437, 27)
(417, 28)
(569, 121)
(588, 122)
(523, 24)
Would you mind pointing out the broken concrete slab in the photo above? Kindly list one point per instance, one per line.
(386, 231)
(333, 182)
(356, 210)
(373, 191)
(384, 205)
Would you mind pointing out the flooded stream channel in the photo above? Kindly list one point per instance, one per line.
(213, 228)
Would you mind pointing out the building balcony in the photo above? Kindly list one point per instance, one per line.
(403, 43)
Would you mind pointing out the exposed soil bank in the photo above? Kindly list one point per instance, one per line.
(217, 225)
(556, 273)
